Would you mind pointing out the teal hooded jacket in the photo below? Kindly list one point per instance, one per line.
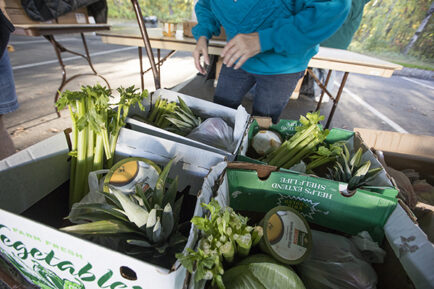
(289, 30)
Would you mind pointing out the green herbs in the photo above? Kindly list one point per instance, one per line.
(300, 145)
(324, 155)
(150, 214)
(225, 234)
(350, 169)
(95, 129)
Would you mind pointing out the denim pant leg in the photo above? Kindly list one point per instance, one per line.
(232, 86)
(273, 92)
(8, 96)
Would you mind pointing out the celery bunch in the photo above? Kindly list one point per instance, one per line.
(224, 235)
(95, 129)
(300, 145)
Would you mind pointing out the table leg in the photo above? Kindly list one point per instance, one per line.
(142, 82)
(322, 91)
(159, 63)
(59, 49)
(147, 43)
(335, 101)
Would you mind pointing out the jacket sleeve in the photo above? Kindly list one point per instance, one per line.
(314, 21)
(208, 24)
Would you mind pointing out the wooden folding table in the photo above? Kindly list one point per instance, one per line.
(327, 58)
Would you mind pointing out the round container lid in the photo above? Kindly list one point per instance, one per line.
(287, 236)
(127, 173)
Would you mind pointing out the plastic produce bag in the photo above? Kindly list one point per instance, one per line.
(369, 249)
(214, 131)
(336, 263)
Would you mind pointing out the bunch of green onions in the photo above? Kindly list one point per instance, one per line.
(225, 234)
(95, 130)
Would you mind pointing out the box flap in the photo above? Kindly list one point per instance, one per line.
(419, 145)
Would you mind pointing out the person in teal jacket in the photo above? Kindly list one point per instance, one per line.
(269, 43)
(341, 39)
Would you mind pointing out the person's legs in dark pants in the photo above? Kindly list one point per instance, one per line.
(232, 86)
(273, 93)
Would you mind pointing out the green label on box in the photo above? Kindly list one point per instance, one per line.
(319, 200)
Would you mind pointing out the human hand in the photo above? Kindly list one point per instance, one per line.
(241, 48)
(201, 49)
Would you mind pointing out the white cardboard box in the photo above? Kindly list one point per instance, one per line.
(236, 118)
(45, 255)
(409, 243)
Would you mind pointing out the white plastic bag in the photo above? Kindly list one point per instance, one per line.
(368, 248)
(214, 131)
(335, 262)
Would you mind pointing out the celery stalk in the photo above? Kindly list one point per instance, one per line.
(99, 154)
(228, 251)
(154, 111)
(80, 171)
(244, 243)
(291, 153)
(293, 143)
(74, 136)
(301, 154)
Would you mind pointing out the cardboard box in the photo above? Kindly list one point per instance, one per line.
(18, 16)
(15, 12)
(403, 151)
(10, 4)
(192, 165)
(188, 25)
(287, 128)
(237, 119)
(401, 235)
(78, 16)
(46, 256)
(407, 151)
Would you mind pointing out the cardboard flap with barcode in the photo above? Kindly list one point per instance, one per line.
(236, 119)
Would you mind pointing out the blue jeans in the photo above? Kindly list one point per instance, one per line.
(8, 96)
(272, 92)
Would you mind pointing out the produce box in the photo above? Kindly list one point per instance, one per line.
(399, 229)
(407, 152)
(259, 188)
(17, 15)
(188, 25)
(402, 150)
(33, 181)
(192, 162)
(287, 128)
(237, 119)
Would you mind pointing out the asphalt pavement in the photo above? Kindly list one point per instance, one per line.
(399, 103)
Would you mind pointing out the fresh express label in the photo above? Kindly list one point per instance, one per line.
(318, 200)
